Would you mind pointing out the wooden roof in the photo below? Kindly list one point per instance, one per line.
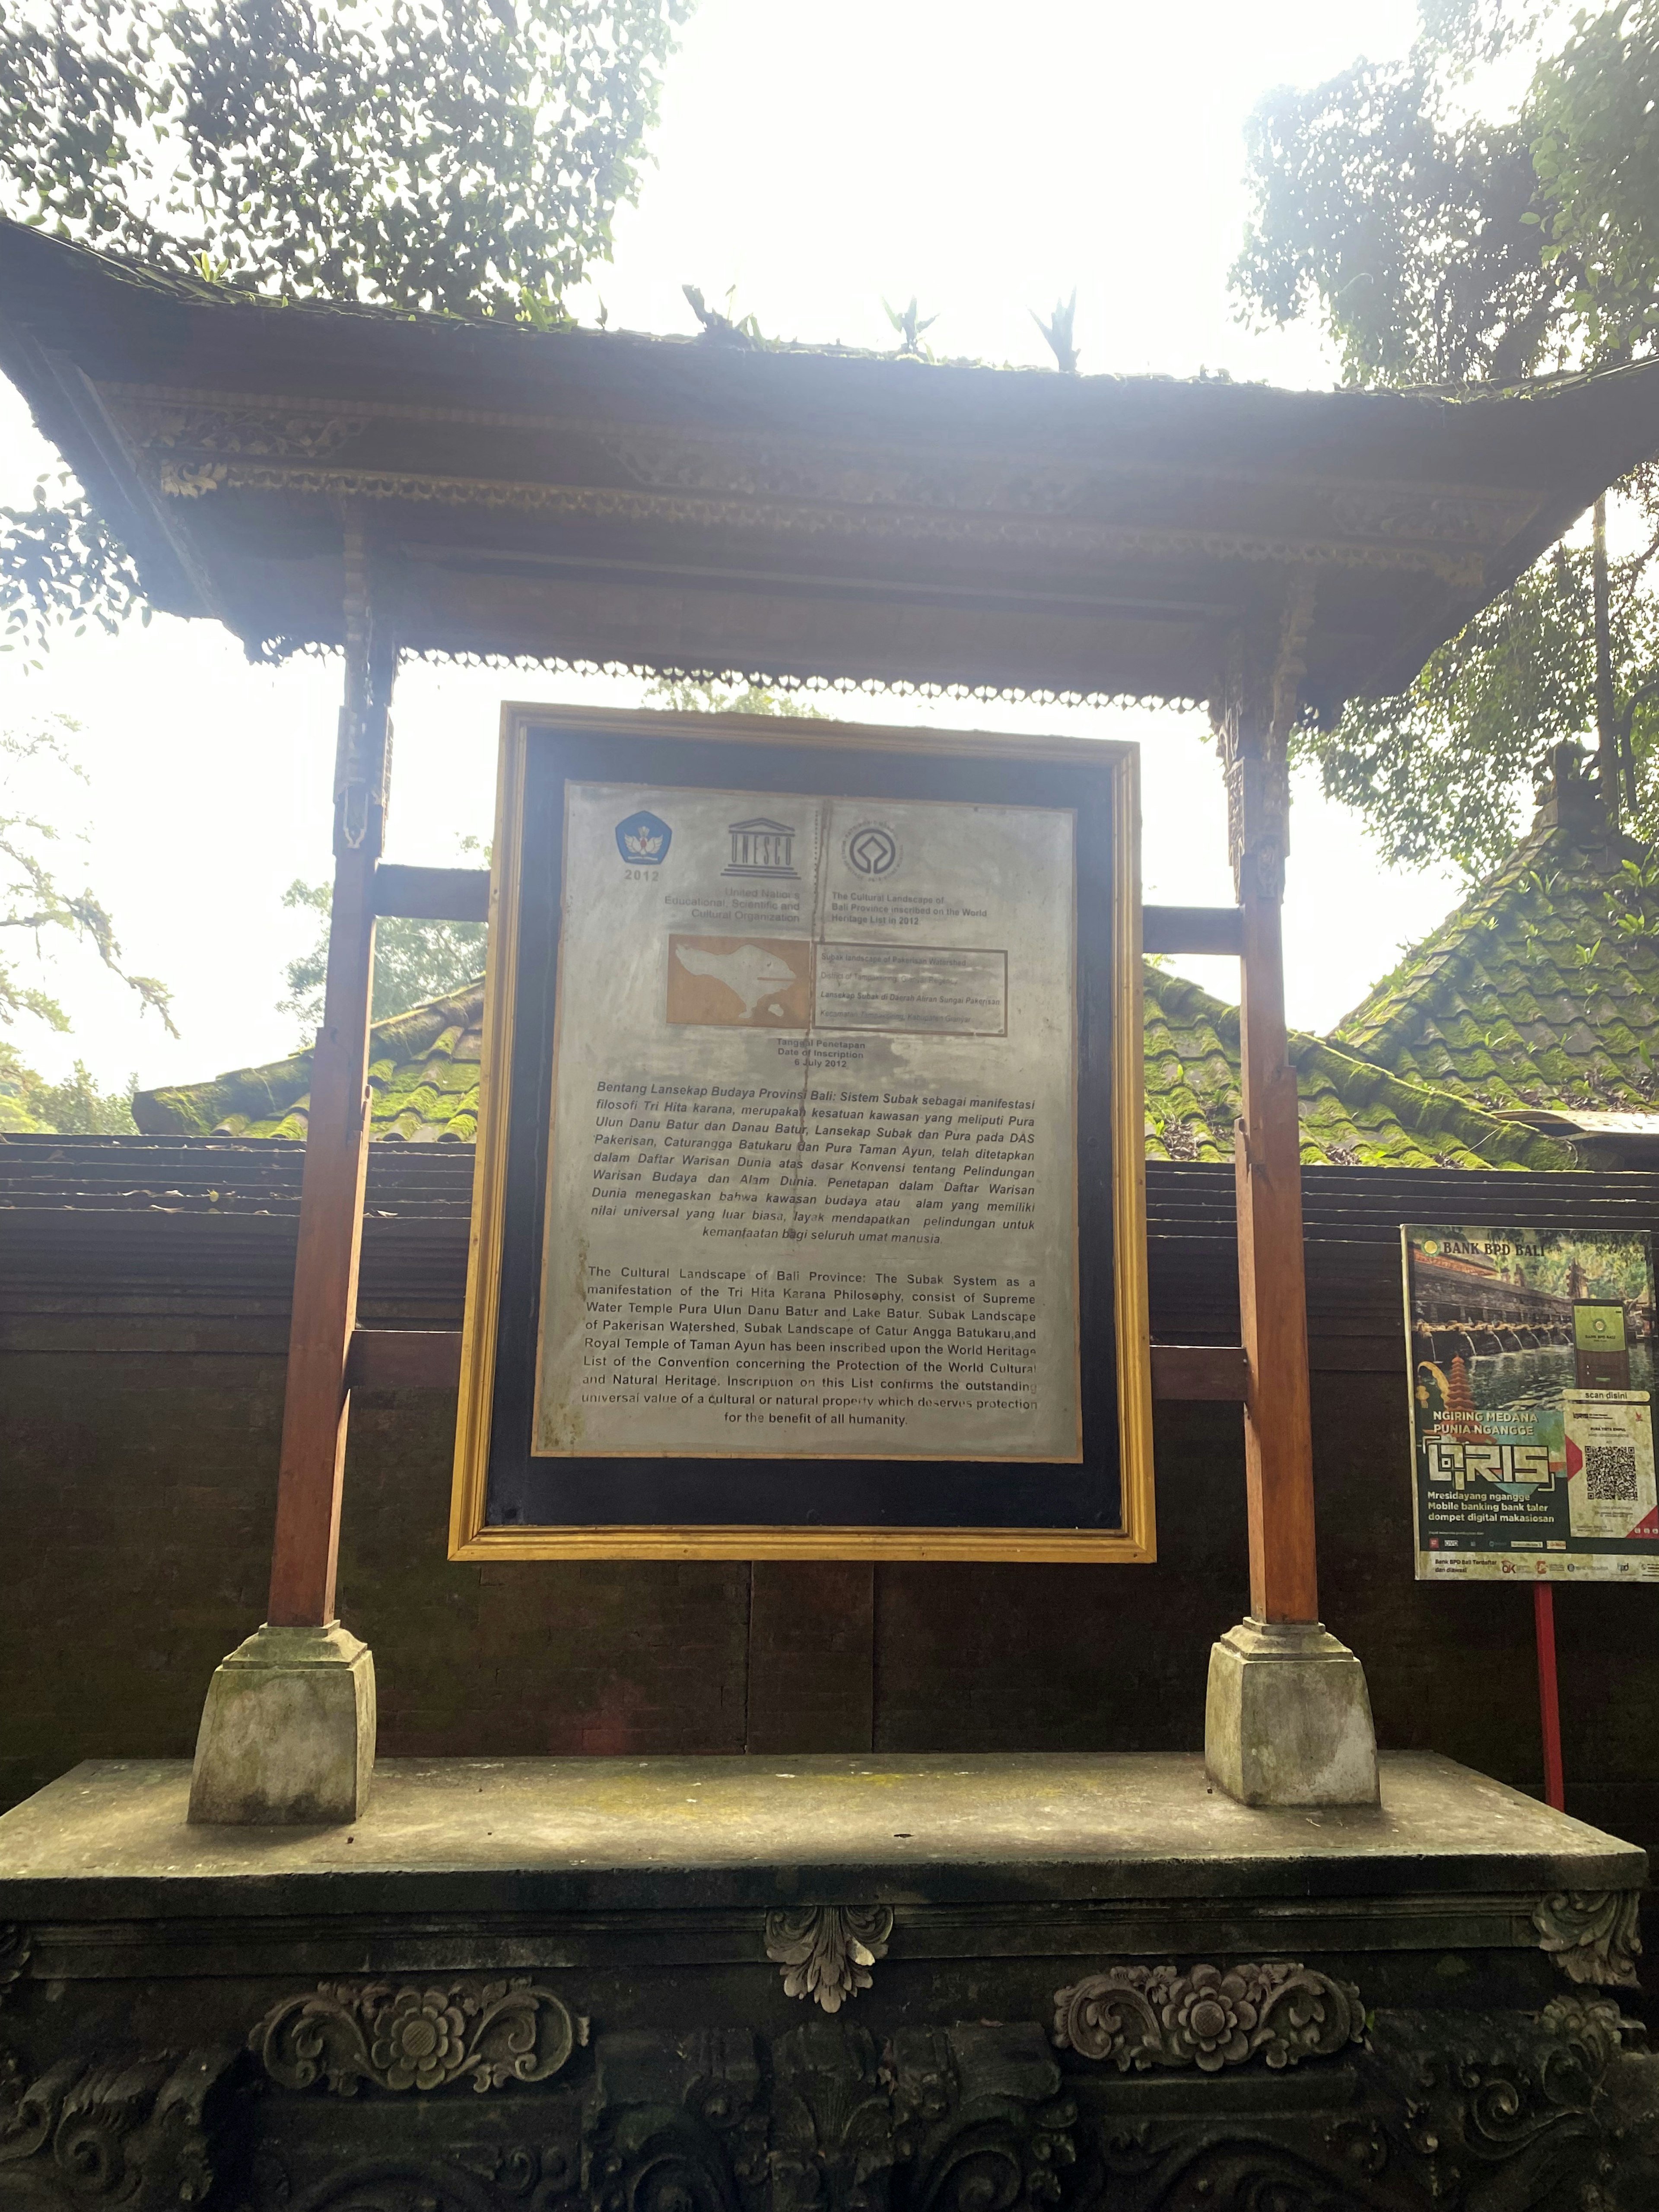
(785, 512)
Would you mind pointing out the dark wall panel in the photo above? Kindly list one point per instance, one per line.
(143, 1322)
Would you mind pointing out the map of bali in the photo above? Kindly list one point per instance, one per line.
(768, 981)
(813, 1179)
(1531, 1415)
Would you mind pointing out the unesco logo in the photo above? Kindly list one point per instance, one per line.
(872, 850)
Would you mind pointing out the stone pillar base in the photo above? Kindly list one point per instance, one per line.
(288, 1731)
(1287, 1720)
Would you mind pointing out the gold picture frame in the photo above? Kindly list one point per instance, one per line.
(470, 1537)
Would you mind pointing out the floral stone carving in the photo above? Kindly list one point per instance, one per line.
(1591, 1934)
(489, 2032)
(1207, 2017)
(826, 1951)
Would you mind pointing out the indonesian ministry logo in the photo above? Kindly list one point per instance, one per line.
(644, 839)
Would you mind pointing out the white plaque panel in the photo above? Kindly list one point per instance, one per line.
(813, 1180)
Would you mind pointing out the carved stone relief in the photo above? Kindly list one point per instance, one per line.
(488, 2032)
(832, 2122)
(15, 1947)
(123, 2127)
(1483, 2113)
(1208, 2017)
(826, 1951)
(1174, 2097)
(979, 2117)
(1591, 1934)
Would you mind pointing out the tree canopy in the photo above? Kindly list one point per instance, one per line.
(34, 904)
(465, 157)
(1441, 245)
(414, 961)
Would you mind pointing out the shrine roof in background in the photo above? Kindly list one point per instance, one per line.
(786, 514)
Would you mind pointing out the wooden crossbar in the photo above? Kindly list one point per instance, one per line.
(432, 894)
(1193, 929)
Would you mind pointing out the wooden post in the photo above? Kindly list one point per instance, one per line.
(1287, 1720)
(1258, 709)
(336, 1138)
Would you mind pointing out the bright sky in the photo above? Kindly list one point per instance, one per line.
(817, 156)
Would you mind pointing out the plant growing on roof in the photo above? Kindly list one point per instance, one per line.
(465, 159)
(1442, 245)
(910, 323)
(1057, 331)
(723, 329)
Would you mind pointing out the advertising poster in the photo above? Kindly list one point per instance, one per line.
(1531, 1363)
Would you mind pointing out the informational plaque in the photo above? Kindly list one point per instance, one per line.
(814, 1140)
(1532, 1404)
(806, 1221)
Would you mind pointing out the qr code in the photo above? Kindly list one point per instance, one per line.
(1610, 1473)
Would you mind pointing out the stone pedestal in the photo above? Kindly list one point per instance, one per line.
(288, 1731)
(1047, 1983)
(1287, 1720)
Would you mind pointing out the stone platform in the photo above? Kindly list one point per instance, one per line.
(848, 1983)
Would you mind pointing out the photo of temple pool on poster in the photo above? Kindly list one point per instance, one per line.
(1531, 1365)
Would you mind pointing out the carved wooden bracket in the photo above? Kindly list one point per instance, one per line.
(1254, 714)
(826, 1951)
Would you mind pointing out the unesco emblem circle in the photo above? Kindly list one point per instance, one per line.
(872, 850)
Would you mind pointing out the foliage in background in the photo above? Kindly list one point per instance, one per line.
(60, 566)
(34, 903)
(466, 159)
(1439, 246)
(414, 961)
(76, 1107)
(708, 696)
(1434, 769)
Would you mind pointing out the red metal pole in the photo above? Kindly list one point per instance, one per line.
(1549, 1705)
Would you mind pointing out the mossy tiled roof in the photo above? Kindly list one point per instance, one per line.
(1354, 1114)
(1531, 994)
(424, 1078)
